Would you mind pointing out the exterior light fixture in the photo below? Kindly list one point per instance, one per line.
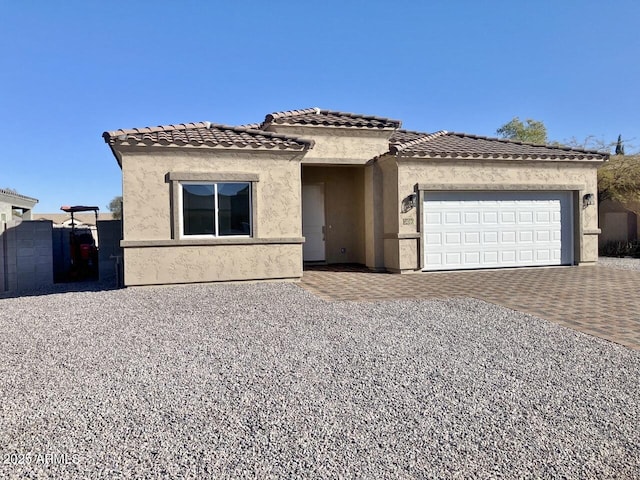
(588, 199)
(408, 203)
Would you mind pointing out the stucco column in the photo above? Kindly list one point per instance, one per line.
(374, 217)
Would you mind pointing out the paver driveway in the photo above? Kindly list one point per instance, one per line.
(596, 300)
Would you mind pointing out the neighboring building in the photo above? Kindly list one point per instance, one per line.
(617, 223)
(82, 220)
(12, 204)
(206, 202)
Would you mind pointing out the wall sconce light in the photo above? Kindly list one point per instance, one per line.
(408, 203)
(588, 199)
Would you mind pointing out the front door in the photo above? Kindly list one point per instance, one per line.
(313, 222)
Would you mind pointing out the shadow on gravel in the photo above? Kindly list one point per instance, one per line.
(92, 286)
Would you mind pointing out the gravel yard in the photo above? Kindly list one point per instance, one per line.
(266, 380)
(625, 263)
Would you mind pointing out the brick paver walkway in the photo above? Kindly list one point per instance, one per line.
(597, 300)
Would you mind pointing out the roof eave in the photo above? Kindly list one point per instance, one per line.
(304, 147)
(398, 153)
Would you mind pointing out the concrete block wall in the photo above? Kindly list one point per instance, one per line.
(26, 255)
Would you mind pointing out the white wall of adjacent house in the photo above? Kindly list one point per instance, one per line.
(471, 230)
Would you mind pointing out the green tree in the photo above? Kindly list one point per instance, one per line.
(619, 180)
(619, 146)
(533, 131)
(115, 207)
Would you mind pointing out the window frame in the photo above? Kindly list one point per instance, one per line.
(216, 210)
(178, 179)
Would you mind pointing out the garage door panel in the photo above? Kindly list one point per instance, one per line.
(452, 238)
(543, 235)
(472, 258)
(433, 238)
(508, 237)
(434, 259)
(543, 217)
(433, 218)
(490, 258)
(543, 255)
(472, 218)
(452, 218)
(526, 255)
(525, 236)
(525, 217)
(490, 238)
(453, 258)
(508, 217)
(472, 238)
(490, 218)
(496, 229)
(508, 256)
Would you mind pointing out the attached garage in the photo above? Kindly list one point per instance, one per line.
(475, 229)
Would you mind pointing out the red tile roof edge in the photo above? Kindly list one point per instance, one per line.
(112, 137)
(279, 117)
(398, 148)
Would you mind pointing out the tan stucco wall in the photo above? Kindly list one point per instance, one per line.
(374, 217)
(344, 211)
(146, 192)
(339, 146)
(479, 175)
(147, 217)
(193, 264)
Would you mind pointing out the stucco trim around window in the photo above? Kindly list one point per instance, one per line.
(213, 177)
(210, 241)
(175, 179)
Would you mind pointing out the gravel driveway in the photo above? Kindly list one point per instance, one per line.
(266, 380)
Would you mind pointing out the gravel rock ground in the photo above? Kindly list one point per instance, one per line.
(622, 263)
(266, 380)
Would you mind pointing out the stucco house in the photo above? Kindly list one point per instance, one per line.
(12, 202)
(204, 202)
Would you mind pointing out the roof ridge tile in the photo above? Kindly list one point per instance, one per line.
(290, 113)
(425, 137)
(330, 118)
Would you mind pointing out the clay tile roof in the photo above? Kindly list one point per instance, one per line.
(329, 118)
(205, 134)
(445, 144)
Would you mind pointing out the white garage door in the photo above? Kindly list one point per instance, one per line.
(497, 229)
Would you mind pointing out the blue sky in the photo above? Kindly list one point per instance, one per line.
(73, 69)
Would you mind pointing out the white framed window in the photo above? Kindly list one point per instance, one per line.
(215, 209)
